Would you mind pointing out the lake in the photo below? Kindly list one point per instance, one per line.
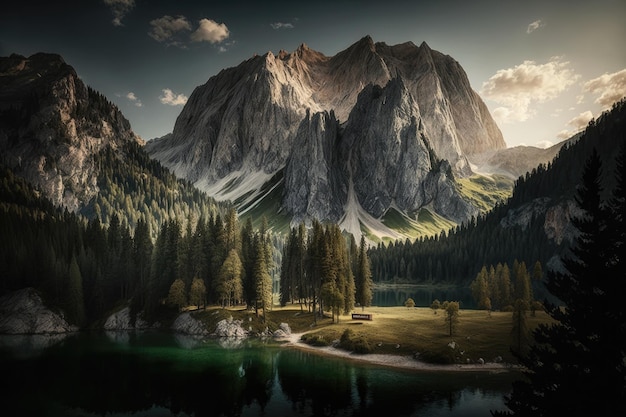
(423, 295)
(161, 374)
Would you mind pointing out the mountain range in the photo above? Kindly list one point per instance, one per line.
(385, 140)
(376, 138)
(65, 142)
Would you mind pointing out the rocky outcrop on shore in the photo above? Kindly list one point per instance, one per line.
(122, 320)
(24, 312)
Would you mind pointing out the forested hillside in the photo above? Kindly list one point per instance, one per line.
(134, 187)
(523, 229)
(87, 269)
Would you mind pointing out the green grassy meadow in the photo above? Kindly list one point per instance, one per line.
(397, 330)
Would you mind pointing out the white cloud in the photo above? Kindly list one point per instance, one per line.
(119, 8)
(610, 87)
(281, 25)
(564, 134)
(581, 121)
(534, 26)
(172, 99)
(544, 144)
(133, 98)
(518, 88)
(210, 31)
(165, 28)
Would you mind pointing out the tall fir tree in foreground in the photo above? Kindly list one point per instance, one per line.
(576, 366)
(363, 277)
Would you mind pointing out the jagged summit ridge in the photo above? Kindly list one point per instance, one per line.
(247, 120)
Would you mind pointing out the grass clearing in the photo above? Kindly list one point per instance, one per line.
(486, 191)
(398, 330)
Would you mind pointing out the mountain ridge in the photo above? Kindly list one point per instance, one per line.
(245, 122)
(49, 113)
(85, 132)
(78, 150)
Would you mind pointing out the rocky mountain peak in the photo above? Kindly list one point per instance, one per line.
(51, 125)
(302, 49)
(366, 42)
(257, 119)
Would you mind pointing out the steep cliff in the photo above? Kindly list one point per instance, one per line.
(393, 124)
(51, 125)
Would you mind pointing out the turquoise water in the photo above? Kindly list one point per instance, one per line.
(160, 374)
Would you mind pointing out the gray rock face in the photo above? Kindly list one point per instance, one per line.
(121, 320)
(313, 184)
(373, 117)
(230, 328)
(517, 161)
(283, 331)
(186, 324)
(51, 125)
(23, 312)
(391, 161)
(558, 214)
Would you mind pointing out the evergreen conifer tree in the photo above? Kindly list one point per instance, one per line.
(363, 277)
(75, 304)
(576, 365)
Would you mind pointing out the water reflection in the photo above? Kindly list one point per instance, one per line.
(186, 341)
(160, 374)
(422, 295)
(25, 346)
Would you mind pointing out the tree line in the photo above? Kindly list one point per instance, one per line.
(132, 186)
(498, 287)
(323, 270)
(86, 268)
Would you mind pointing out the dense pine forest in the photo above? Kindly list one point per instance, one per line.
(575, 365)
(143, 232)
(134, 187)
(160, 244)
(87, 268)
(498, 237)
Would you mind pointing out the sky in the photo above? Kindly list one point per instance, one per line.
(544, 68)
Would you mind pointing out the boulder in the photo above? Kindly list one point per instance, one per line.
(121, 320)
(23, 312)
(230, 328)
(187, 324)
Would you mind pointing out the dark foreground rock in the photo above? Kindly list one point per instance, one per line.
(24, 312)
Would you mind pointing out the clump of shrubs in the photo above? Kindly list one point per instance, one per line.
(353, 342)
(315, 340)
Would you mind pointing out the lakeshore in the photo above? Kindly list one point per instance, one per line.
(395, 361)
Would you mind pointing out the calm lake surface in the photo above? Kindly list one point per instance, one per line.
(161, 374)
(423, 295)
